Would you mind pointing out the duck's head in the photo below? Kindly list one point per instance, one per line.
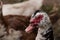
(34, 21)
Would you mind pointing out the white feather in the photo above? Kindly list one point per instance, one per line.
(25, 8)
(43, 25)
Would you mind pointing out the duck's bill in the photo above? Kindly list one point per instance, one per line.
(29, 29)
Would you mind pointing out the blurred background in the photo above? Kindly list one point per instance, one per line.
(49, 6)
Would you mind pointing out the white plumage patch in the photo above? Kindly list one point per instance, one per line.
(43, 26)
(25, 8)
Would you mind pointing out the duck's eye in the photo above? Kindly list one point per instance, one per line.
(35, 24)
(31, 22)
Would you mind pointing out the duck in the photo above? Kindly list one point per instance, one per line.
(41, 21)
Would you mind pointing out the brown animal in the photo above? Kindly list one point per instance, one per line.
(21, 22)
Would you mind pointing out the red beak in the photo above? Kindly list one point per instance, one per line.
(29, 28)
